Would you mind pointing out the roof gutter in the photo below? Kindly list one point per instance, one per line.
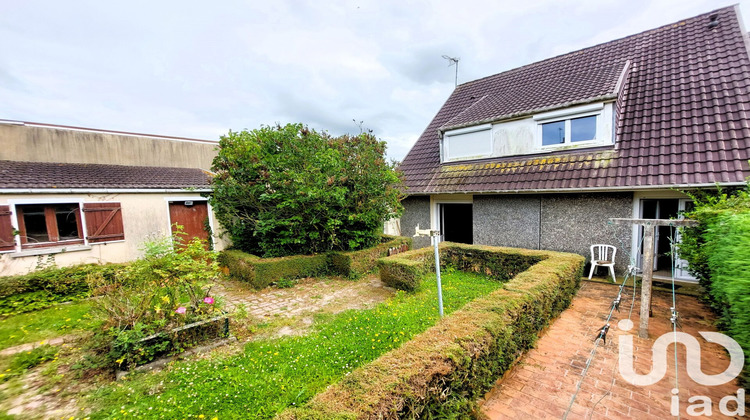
(586, 190)
(101, 190)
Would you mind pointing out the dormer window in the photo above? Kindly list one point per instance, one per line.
(578, 126)
(468, 143)
(571, 130)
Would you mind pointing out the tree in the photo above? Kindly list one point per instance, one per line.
(289, 190)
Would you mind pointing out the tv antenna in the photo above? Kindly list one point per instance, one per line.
(452, 61)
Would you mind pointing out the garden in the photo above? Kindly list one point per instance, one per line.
(301, 208)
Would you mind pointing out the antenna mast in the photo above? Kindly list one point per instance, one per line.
(452, 61)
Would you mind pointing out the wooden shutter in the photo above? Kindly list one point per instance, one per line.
(7, 239)
(103, 222)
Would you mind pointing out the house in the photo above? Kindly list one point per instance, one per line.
(59, 207)
(542, 156)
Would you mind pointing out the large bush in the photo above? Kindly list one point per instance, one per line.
(291, 190)
(718, 251)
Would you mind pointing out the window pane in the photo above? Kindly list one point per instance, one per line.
(36, 224)
(67, 221)
(583, 129)
(553, 133)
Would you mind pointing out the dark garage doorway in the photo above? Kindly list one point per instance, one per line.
(457, 223)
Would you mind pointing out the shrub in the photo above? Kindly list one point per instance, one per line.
(43, 288)
(291, 190)
(354, 264)
(167, 288)
(718, 252)
(261, 272)
(442, 371)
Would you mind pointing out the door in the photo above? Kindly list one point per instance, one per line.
(457, 223)
(191, 217)
(664, 235)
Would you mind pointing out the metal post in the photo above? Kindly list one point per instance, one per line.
(435, 235)
(648, 272)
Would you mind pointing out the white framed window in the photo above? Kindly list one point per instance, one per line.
(467, 143)
(573, 127)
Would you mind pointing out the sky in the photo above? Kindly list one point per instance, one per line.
(199, 69)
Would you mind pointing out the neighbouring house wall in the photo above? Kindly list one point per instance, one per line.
(416, 211)
(47, 144)
(144, 215)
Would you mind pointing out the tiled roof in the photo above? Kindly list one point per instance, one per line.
(684, 115)
(41, 175)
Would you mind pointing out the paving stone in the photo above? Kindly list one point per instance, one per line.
(543, 382)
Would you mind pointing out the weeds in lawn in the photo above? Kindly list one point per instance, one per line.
(273, 374)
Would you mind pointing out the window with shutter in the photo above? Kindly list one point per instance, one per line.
(7, 239)
(47, 225)
(103, 222)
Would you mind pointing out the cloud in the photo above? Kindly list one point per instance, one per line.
(196, 69)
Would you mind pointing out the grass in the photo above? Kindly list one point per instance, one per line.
(274, 374)
(45, 324)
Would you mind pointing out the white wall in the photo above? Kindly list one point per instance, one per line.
(144, 216)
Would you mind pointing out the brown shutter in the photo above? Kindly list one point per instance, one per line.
(103, 222)
(7, 239)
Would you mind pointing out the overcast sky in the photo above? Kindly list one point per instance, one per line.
(198, 69)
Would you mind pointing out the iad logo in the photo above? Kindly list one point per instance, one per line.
(693, 351)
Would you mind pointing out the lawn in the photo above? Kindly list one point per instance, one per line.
(45, 324)
(271, 375)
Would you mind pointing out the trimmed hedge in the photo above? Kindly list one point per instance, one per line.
(261, 272)
(42, 288)
(354, 264)
(405, 271)
(442, 371)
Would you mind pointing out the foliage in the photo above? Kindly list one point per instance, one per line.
(718, 252)
(32, 358)
(355, 264)
(441, 372)
(44, 288)
(167, 288)
(285, 372)
(404, 271)
(261, 272)
(46, 323)
(291, 190)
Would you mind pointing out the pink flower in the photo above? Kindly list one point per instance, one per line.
(209, 300)
(181, 310)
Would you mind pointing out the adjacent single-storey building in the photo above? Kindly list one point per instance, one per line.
(542, 156)
(64, 213)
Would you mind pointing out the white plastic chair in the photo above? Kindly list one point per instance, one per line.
(604, 256)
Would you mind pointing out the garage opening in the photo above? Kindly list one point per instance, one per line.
(457, 223)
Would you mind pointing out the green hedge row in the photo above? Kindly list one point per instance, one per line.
(261, 272)
(405, 271)
(442, 371)
(42, 288)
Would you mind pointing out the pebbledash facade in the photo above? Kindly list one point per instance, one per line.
(542, 156)
(72, 195)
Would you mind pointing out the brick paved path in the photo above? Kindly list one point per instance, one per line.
(542, 384)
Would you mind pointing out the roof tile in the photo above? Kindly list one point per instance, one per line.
(684, 114)
(32, 175)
